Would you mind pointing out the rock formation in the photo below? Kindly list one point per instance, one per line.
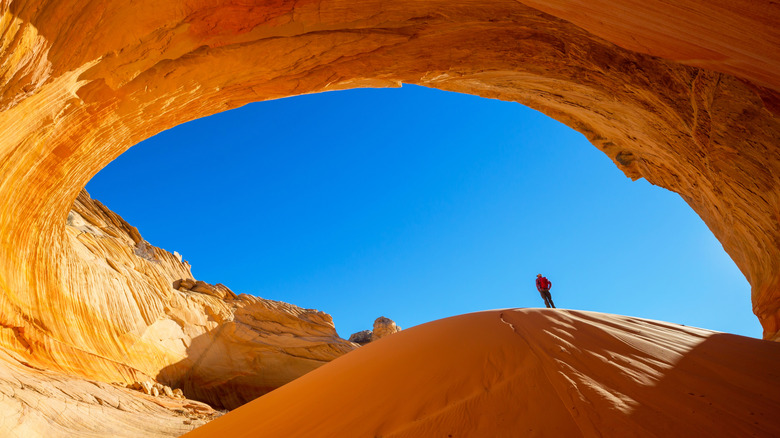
(529, 372)
(155, 389)
(382, 327)
(362, 337)
(41, 403)
(218, 347)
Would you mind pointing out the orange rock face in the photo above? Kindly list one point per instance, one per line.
(738, 37)
(82, 82)
(216, 346)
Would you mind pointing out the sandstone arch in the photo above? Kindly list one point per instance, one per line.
(81, 83)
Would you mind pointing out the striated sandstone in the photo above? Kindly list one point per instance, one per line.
(43, 403)
(739, 37)
(82, 82)
(216, 346)
(218, 290)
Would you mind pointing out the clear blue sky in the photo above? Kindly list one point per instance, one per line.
(419, 204)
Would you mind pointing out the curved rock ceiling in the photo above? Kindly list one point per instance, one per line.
(685, 97)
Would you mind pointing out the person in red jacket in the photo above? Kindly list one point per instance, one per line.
(544, 285)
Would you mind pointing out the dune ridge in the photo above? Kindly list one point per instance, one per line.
(529, 372)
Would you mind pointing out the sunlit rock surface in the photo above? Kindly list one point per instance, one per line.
(41, 403)
(383, 327)
(216, 346)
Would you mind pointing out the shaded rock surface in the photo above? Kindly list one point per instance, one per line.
(362, 337)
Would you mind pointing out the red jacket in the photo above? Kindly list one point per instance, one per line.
(543, 283)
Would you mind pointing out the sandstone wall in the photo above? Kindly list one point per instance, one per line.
(141, 316)
(82, 82)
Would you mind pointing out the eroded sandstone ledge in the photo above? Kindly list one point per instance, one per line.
(82, 82)
(43, 403)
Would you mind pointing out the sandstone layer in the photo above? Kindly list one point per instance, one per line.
(529, 372)
(41, 403)
(82, 82)
(216, 346)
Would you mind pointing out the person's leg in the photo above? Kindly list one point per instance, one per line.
(544, 297)
(549, 298)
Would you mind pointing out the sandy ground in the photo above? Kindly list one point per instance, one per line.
(529, 372)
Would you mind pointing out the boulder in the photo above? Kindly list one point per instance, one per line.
(383, 327)
(362, 337)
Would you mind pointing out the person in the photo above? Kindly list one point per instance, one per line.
(544, 285)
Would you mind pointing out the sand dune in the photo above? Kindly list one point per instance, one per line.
(529, 372)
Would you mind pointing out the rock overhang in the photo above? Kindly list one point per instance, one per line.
(82, 85)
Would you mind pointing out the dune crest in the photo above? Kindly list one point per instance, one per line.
(529, 372)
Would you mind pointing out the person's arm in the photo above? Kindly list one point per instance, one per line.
(538, 286)
(549, 285)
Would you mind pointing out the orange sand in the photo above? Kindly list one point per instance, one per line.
(529, 372)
